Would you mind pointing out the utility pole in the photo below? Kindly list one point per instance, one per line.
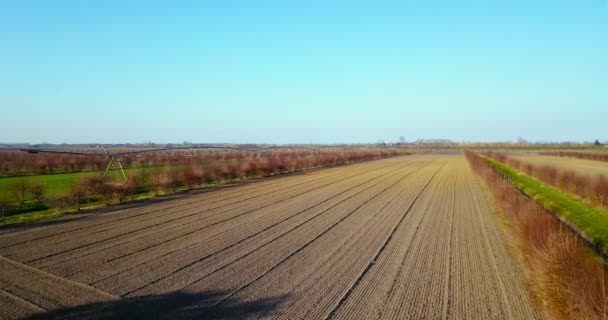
(124, 177)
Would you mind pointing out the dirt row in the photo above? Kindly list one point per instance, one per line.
(261, 260)
(75, 235)
(408, 271)
(240, 240)
(408, 237)
(447, 261)
(200, 244)
(203, 198)
(137, 215)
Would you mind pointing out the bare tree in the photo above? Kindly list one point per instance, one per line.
(132, 185)
(158, 177)
(80, 190)
(121, 191)
(4, 205)
(37, 190)
(193, 176)
(176, 178)
(20, 189)
(106, 189)
(61, 203)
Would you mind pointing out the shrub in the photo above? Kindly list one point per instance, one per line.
(4, 206)
(134, 185)
(175, 179)
(193, 176)
(128, 188)
(107, 189)
(20, 188)
(158, 179)
(37, 190)
(246, 169)
(80, 189)
(61, 203)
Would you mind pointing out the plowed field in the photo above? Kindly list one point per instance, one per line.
(401, 238)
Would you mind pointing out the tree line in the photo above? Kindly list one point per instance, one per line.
(169, 173)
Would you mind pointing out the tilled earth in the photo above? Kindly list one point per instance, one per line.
(401, 238)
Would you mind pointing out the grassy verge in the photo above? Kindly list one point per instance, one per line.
(590, 222)
(30, 216)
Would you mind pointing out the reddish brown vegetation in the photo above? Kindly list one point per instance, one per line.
(16, 162)
(169, 175)
(61, 203)
(21, 163)
(565, 274)
(171, 172)
(575, 154)
(592, 188)
(79, 192)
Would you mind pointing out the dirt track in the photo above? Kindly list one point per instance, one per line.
(401, 238)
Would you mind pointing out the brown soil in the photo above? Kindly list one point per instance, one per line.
(407, 237)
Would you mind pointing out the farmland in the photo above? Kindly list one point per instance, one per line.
(304, 160)
(404, 237)
(583, 166)
(57, 179)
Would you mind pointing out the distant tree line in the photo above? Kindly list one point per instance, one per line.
(597, 156)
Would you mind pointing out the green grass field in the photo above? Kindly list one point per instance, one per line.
(592, 222)
(56, 184)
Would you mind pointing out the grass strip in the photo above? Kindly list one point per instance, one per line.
(588, 221)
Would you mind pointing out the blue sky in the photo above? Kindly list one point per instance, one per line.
(302, 71)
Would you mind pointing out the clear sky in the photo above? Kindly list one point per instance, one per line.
(302, 71)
